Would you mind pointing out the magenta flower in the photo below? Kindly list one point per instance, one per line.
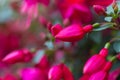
(32, 74)
(73, 33)
(56, 29)
(99, 9)
(18, 56)
(96, 62)
(9, 77)
(114, 74)
(103, 74)
(85, 77)
(59, 72)
(75, 10)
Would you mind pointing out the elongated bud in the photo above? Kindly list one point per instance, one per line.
(55, 73)
(43, 63)
(18, 56)
(94, 64)
(101, 75)
(32, 74)
(56, 29)
(108, 66)
(99, 9)
(59, 72)
(67, 75)
(71, 33)
(88, 28)
(104, 52)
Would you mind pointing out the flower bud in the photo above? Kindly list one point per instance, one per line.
(114, 74)
(67, 75)
(94, 64)
(43, 63)
(59, 72)
(104, 52)
(18, 56)
(99, 9)
(9, 77)
(73, 33)
(32, 74)
(103, 74)
(85, 77)
(55, 73)
(56, 29)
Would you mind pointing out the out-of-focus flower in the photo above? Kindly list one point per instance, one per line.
(10, 77)
(103, 74)
(55, 29)
(79, 10)
(43, 63)
(59, 72)
(114, 74)
(8, 43)
(99, 9)
(85, 77)
(30, 8)
(23, 55)
(33, 74)
(73, 33)
(96, 62)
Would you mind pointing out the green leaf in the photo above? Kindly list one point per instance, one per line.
(110, 10)
(103, 27)
(118, 4)
(108, 19)
(116, 46)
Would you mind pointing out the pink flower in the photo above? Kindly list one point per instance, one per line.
(114, 74)
(76, 10)
(10, 77)
(96, 62)
(85, 77)
(43, 63)
(103, 74)
(99, 9)
(30, 8)
(18, 56)
(56, 29)
(32, 74)
(73, 33)
(59, 72)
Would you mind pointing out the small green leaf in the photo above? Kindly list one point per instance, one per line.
(108, 19)
(110, 10)
(103, 27)
(116, 46)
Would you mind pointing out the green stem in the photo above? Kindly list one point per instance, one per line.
(107, 45)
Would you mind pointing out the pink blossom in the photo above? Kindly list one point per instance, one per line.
(59, 72)
(32, 74)
(10, 77)
(56, 29)
(103, 74)
(73, 33)
(76, 10)
(99, 9)
(96, 62)
(18, 56)
(114, 74)
(85, 77)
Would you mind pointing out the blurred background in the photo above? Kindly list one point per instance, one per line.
(17, 32)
